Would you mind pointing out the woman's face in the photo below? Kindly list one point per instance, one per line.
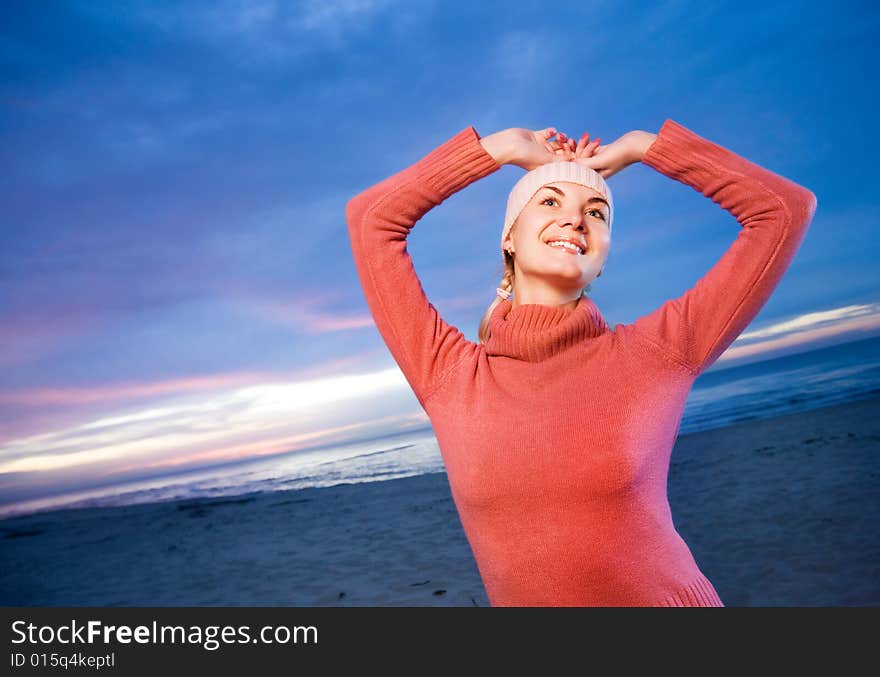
(561, 211)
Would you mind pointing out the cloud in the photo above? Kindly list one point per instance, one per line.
(836, 325)
(261, 30)
(845, 316)
(273, 415)
(306, 314)
(301, 316)
(126, 391)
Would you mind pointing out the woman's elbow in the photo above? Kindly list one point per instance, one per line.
(801, 204)
(353, 210)
(809, 205)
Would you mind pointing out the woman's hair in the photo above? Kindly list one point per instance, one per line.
(484, 331)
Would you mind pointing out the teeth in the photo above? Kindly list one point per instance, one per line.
(568, 245)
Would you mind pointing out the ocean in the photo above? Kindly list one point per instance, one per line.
(794, 383)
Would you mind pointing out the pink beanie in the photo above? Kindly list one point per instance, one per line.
(528, 185)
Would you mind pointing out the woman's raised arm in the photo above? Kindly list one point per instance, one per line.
(379, 219)
(774, 214)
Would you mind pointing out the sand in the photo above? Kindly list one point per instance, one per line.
(779, 512)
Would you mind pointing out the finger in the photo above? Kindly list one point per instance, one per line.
(588, 149)
(592, 163)
(589, 146)
(542, 136)
(582, 142)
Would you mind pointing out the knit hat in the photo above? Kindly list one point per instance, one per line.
(531, 182)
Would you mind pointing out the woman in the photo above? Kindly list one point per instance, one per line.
(556, 430)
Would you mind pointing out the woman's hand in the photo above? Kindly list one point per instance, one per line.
(528, 148)
(617, 155)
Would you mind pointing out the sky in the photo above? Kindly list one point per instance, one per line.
(177, 281)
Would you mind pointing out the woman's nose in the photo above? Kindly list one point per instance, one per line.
(575, 220)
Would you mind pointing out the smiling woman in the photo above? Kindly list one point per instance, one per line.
(539, 214)
(559, 514)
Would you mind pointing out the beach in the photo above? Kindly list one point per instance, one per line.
(777, 512)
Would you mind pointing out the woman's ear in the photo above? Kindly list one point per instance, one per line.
(508, 242)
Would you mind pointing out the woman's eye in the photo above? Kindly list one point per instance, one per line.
(589, 211)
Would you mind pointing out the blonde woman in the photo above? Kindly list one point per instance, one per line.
(556, 429)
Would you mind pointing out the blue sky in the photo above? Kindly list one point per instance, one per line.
(178, 286)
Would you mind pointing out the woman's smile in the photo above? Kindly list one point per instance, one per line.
(568, 245)
(566, 248)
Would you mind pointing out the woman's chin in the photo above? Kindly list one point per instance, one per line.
(571, 272)
(567, 283)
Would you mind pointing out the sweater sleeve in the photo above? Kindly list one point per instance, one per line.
(773, 213)
(380, 218)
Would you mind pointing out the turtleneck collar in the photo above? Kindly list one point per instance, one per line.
(534, 332)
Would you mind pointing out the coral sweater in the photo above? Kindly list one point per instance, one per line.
(557, 433)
